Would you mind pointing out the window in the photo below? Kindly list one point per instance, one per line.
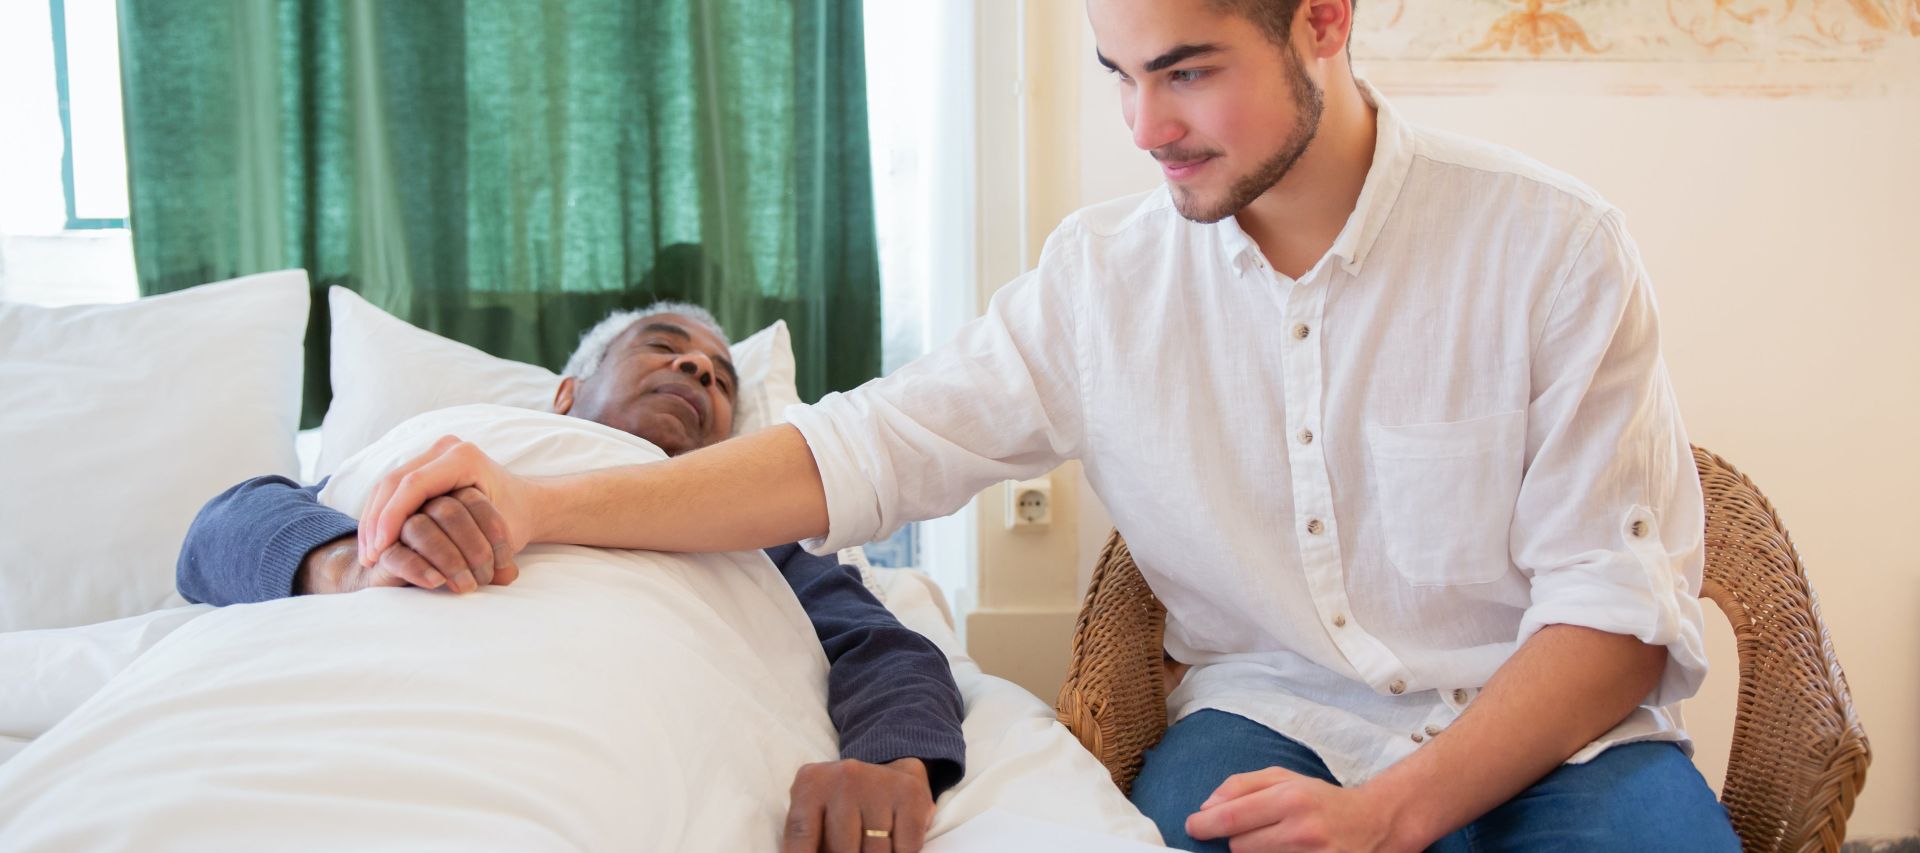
(921, 122)
(86, 67)
(63, 188)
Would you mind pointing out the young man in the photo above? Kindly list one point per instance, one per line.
(662, 374)
(1382, 414)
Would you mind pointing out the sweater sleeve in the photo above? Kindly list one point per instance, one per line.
(890, 692)
(246, 543)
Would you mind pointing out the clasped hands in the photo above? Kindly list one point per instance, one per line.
(460, 541)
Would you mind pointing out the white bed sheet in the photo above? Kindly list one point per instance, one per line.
(11, 746)
(82, 786)
(48, 673)
(1019, 759)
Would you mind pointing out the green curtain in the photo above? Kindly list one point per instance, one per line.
(505, 172)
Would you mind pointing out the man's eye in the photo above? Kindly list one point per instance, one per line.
(663, 347)
(1187, 75)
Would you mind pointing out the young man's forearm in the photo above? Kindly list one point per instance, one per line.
(1564, 688)
(752, 492)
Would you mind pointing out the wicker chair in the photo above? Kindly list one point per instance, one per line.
(1799, 755)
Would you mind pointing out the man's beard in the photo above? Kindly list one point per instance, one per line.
(1308, 101)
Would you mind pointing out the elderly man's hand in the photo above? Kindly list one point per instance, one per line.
(458, 541)
(854, 807)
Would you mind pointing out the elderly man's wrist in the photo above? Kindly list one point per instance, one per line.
(320, 570)
(913, 767)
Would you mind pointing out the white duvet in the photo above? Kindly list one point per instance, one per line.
(608, 700)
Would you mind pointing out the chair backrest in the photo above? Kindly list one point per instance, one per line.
(1799, 755)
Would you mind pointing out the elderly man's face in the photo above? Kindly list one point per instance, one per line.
(666, 379)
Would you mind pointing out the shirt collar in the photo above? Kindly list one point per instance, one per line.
(1392, 156)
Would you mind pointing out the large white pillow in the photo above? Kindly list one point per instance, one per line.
(117, 422)
(386, 370)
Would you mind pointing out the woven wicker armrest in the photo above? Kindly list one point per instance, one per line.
(1115, 696)
(1799, 756)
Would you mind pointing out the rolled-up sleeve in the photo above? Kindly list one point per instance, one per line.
(1609, 526)
(1001, 401)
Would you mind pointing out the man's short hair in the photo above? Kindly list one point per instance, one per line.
(592, 350)
(1273, 17)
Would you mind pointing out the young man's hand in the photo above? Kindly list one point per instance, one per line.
(1275, 809)
(457, 541)
(450, 468)
(854, 807)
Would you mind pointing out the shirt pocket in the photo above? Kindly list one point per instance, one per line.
(1446, 495)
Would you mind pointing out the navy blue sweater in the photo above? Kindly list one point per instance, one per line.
(890, 692)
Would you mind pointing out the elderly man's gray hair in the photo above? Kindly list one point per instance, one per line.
(592, 350)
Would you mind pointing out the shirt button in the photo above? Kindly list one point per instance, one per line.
(1306, 436)
(1340, 620)
(1301, 331)
(1433, 731)
(1418, 737)
(1460, 696)
(1639, 529)
(1314, 527)
(1397, 687)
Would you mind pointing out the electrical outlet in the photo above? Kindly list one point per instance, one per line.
(1029, 503)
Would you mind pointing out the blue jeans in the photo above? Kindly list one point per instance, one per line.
(1642, 796)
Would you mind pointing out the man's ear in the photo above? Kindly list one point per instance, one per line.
(1329, 24)
(563, 395)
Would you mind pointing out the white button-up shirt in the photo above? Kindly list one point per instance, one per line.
(1357, 492)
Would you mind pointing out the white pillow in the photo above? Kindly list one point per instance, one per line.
(386, 370)
(117, 422)
(765, 363)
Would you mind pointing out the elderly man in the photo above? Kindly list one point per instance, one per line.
(662, 374)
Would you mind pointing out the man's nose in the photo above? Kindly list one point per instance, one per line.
(696, 365)
(1154, 125)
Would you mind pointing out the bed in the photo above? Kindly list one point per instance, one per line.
(662, 702)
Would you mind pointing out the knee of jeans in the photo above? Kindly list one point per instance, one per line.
(1636, 797)
(1693, 826)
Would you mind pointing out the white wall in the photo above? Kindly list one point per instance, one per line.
(1019, 619)
(1783, 236)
